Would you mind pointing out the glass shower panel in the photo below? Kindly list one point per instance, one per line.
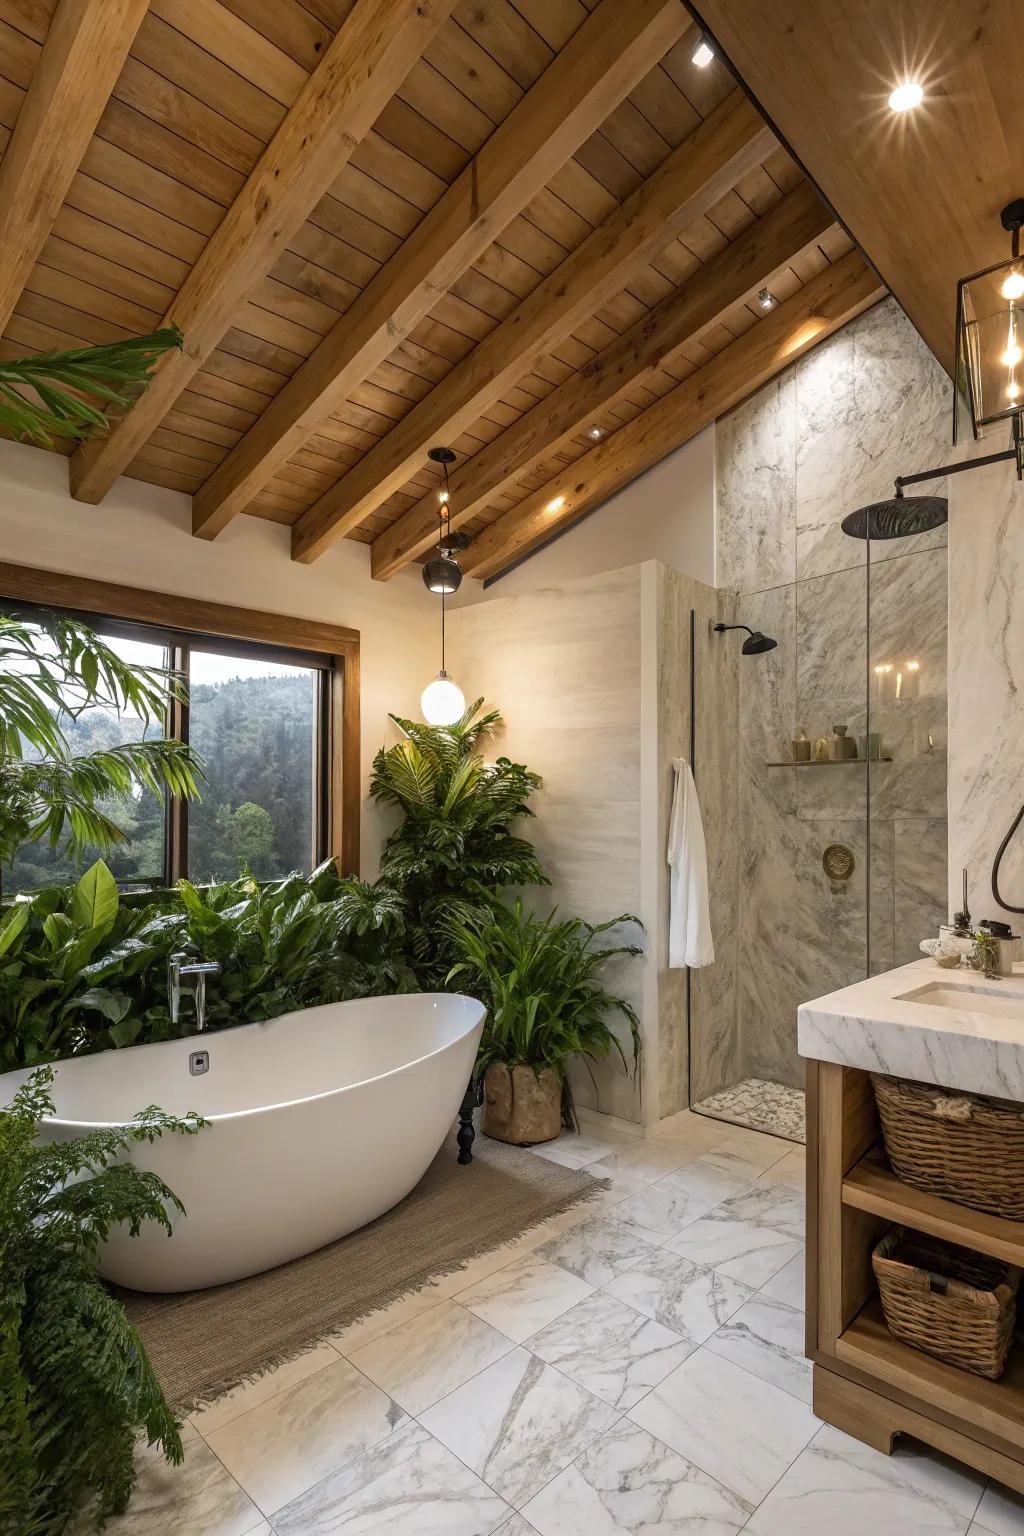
(795, 845)
(907, 765)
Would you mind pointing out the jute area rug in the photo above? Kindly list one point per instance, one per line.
(202, 1343)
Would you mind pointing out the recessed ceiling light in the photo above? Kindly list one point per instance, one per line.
(906, 96)
(556, 505)
(596, 432)
(766, 299)
(703, 55)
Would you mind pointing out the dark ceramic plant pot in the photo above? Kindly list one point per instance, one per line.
(521, 1106)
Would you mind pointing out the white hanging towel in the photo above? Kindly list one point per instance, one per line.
(689, 922)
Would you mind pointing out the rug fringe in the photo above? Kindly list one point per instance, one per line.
(195, 1402)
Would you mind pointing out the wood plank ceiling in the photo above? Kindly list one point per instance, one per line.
(531, 230)
(919, 191)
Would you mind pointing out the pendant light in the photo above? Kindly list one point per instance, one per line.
(442, 701)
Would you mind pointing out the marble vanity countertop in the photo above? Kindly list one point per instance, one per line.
(876, 1026)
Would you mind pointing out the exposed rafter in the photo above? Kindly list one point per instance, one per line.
(735, 274)
(829, 301)
(730, 142)
(598, 67)
(83, 55)
(358, 74)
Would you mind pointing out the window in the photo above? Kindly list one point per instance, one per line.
(255, 723)
(260, 717)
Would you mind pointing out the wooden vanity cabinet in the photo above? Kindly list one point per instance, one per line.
(865, 1381)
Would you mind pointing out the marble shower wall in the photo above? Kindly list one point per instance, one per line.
(825, 437)
(986, 682)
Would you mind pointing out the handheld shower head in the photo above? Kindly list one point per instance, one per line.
(755, 644)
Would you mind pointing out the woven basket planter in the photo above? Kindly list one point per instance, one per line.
(961, 1145)
(947, 1301)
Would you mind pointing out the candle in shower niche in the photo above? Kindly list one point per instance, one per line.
(885, 682)
(908, 680)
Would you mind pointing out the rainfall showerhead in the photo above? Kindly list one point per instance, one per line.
(898, 518)
(755, 644)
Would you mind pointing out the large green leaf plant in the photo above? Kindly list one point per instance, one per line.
(456, 848)
(82, 969)
(76, 1387)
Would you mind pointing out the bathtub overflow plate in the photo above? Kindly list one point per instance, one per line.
(198, 1063)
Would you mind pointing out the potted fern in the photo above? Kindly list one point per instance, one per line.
(76, 1387)
(540, 978)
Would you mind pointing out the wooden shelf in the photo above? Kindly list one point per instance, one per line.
(994, 1406)
(872, 1186)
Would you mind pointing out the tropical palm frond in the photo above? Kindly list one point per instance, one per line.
(63, 386)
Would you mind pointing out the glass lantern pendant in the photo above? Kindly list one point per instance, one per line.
(989, 392)
(442, 701)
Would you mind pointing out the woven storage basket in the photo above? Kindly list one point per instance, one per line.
(961, 1145)
(957, 1305)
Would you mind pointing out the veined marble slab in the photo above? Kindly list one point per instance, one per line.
(874, 1026)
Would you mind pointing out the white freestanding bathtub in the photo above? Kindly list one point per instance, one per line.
(320, 1121)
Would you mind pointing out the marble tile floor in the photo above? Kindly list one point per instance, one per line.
(631, 1368)
(761, 1106)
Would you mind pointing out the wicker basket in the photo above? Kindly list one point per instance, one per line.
(947, 1301)
(961, 1145)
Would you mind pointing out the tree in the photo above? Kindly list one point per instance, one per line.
(252, 837)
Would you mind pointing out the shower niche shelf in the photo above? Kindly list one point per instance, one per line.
(829, 762)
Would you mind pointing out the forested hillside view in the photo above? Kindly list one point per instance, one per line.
(256, 735)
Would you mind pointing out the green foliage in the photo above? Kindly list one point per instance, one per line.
(76, 1387)
(540, 980)
(454, 851)
(69, 393)
(50, 672)
(81, 970)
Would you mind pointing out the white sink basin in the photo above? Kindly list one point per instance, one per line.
(967, 999)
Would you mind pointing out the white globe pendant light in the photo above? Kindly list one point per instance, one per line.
(442, 701)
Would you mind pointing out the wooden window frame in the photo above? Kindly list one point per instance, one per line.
(195, 616)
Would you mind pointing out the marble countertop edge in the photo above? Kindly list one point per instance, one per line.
(870, 1026)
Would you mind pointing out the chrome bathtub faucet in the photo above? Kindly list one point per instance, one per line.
(181, 967)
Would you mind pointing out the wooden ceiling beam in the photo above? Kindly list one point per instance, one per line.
(85, 49)
(367, 61)
(730, 142)
(734, 274)
(831, 299)
(609, 54)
